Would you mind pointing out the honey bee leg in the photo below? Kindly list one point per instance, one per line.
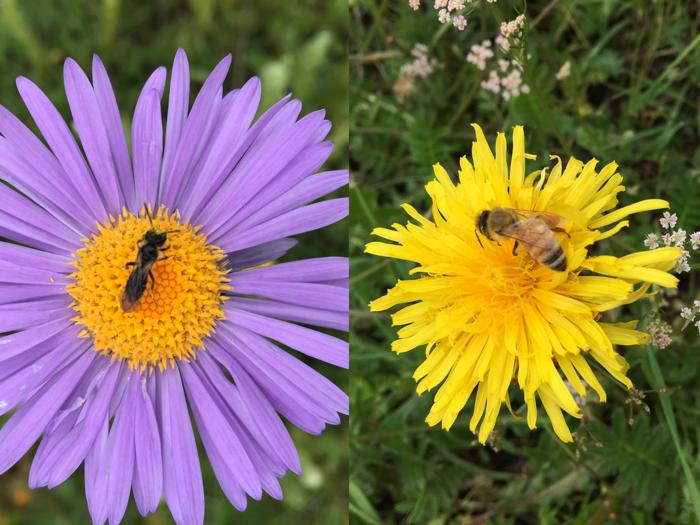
(127, 265)
(515, 248)
(478, 238)
(562, 230)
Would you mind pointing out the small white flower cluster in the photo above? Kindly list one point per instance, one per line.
(505, 77)
(514, 28)
(689, 313)
(564, 71)
(422, 65)
(452, 12)
(479, 54)
(660, 333)
(449, 12)
(677, 238)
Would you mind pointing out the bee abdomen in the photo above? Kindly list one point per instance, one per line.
(556, 259)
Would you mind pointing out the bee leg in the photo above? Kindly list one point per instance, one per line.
(562, 230)
(152, 288)
(478, 238)
(129, 264)
(515, 248)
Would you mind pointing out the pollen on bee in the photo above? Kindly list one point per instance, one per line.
(179, 307)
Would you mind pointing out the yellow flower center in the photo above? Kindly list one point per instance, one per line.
(177, 310)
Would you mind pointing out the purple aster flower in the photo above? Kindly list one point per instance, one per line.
(110, 386)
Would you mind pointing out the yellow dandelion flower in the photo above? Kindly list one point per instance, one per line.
(489, 314)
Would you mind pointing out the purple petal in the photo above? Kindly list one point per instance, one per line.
(20, 274)
(65, 447)
(316, 269)
(148, 474)
(26, 425)
(207, 136)
(156, 81)
(178, 105)
(45, 189)
(280, 122)
(250, 137)
(291, 386)
(253, 409)
(147, 146)
(119, 460)
(22, 348)
(260, 254)
(228, 458)
(22, 220)
(111, 118)
(28, 165)
(23, 255)
(310, 342)
(322, 131)
(312, 295)
(17, 387)
(19, 316)
(306, 162)
(93, 136)
(265, 466)
(59, 138)
(257, 168)
(225, 145)
(15, 344)
(300, 220)
(289, 312)
(308, 190)
(327, 397)
(182, 477)
(95, 486)
(192, 133)
(14, 293)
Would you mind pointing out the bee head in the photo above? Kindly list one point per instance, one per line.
(482, 223)
(157, 237)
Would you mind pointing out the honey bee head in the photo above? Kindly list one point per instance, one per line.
(482, 223)
(157, 237)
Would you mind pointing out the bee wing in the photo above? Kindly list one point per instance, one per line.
(134, 288)
(524, 235)
(552, 220)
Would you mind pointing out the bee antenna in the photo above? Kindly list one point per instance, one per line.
(148, 214)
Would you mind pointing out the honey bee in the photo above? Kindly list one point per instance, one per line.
(151, 248)
(533, 229)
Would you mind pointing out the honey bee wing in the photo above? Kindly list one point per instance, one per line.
(524, 234)
(552, 220)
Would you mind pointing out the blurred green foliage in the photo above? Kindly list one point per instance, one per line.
(632, 97)
(303, 50)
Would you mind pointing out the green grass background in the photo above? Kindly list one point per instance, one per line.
(632, 97)
(291, 47)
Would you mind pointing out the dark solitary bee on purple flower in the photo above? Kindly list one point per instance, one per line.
(151, 248)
